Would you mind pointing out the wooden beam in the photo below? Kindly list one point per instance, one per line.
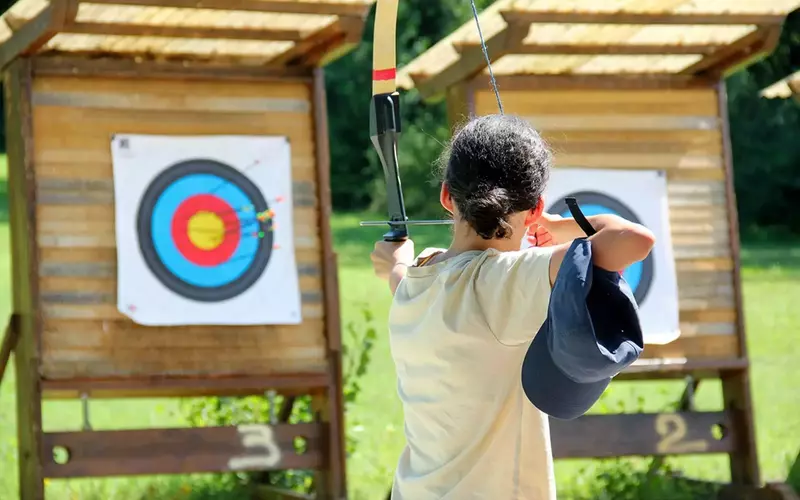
(594, 81)
(171, 31)
(282, 7)
(75, 65)
(660, 369)
(185, 387)
(25, 265)
(183, 451)
(728, 55)
(471, 61)
(343, 31)
(600, 49)
(35, 33)
(332, 483)
(639, 434)
(736, 393)
(643, 18)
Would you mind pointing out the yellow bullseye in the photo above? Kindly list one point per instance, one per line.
(206, 230)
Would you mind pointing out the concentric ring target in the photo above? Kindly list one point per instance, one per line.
(639, 275)
(200, 232)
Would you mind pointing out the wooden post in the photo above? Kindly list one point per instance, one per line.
(22, 204)
(332, 402)
(736, 386)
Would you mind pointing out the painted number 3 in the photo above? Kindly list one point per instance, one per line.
(257, 436)
(672, 429)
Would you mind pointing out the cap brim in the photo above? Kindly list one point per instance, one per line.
(549, 389)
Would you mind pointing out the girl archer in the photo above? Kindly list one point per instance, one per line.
(463, 318)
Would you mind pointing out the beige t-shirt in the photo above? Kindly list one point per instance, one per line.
(459, 330)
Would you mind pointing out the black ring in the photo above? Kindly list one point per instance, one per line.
(595, 198)
(145, 232)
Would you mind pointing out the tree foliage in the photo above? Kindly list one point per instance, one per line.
(765, 151)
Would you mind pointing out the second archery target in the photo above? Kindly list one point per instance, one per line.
(204, 230)
(639, 196)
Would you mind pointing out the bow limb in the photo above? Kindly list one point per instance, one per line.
(385, 113)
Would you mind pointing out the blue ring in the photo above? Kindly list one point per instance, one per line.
(163, 211)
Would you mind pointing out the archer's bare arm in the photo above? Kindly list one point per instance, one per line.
(617, 244)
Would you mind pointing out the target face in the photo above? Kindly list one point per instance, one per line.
(205, 230)
(639, 276)
(200, 230)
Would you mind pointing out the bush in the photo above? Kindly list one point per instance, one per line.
(227, 411)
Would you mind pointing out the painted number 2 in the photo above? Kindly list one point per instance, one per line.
(257, 436)
(672, 429)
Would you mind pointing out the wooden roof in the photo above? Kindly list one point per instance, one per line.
(665, 38)
(783, 89)
(257, 32)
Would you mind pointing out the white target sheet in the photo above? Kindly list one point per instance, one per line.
(204, 230)
(639, 196)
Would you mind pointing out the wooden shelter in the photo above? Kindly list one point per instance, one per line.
(78, 72)
(636, 85)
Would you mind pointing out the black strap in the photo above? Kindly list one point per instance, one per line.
(575, 210)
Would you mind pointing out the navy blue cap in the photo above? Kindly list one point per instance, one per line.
(592, 332)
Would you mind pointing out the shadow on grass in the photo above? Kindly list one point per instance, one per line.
(770, 256)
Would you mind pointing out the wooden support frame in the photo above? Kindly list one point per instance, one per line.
(644, 18)
(252, 447)
(37, 32)
(278, 7)
(736, 386)
(168, 31)
(134, 452)
(606, 436)
(22, 206)
(472, 59)
(595, 49)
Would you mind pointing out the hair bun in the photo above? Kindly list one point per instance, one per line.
(486, 212)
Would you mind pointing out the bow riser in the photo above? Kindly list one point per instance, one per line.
(384, 131)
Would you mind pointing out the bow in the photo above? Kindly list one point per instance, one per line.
(385, 119)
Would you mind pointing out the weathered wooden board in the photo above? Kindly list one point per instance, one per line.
(603, 436)
(680, 132)
(177, 451)
(83, 334)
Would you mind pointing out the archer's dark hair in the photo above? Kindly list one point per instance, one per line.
(495, 166)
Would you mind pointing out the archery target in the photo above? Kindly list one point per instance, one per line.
(639, 196)
(199, 232)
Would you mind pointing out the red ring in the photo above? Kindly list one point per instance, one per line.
(180, 230)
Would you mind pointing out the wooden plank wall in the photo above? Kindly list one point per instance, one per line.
(679, 131)
(84, 336)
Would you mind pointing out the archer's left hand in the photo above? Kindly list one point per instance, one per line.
(389, 255)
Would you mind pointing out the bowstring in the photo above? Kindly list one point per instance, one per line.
(486, 56)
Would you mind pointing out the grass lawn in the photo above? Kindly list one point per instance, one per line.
(772, 279)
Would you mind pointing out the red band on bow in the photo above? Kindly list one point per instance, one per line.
(380, 75)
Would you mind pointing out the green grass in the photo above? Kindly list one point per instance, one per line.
(772, 281)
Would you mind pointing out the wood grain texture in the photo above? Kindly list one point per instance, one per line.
(24, 259)
(604, 436)
(84, 336)
(177, 451)
(680, 132)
